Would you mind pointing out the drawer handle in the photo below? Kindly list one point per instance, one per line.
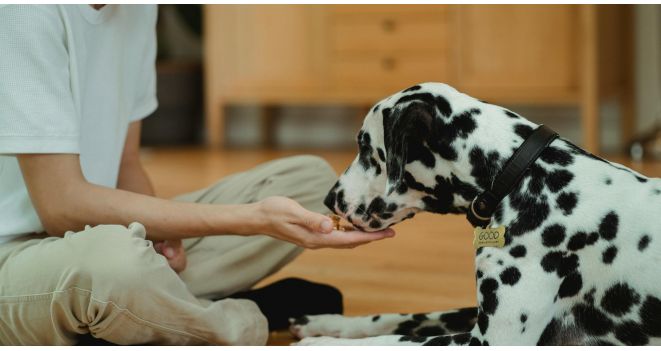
(388, 63)
(389, 25)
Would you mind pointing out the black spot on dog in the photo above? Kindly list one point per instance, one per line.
(303, 320)
(479, 274)
(376, 318)
(419, 317)
(488, 289)
(568, 264)
(567, 202)
(500, 262)
(430, 331)
(444, 340)
(600, 342)
(553, 235)
(463, 189)
(551, 261)
(657, 191)
(571, 285)
(591, 320)
(523, 318)
(406, 327)
(555, 156)
(589, 296)
(365, 150)
(439, 102)
(461, 339)
(413, 338)
(483, 322)
(511, 114)
(643, 243)
(537, 176)
(474, 342)
(577, 241)
(641, 179)
(558, 180)
(341, 204)
(619, 299)
(331, 198)
(441, 197)
(518, 251)
(523, 131)
(460, 321)
(510, 276)
(376, 206)
(375, 224)
(532, 211)
(413, 88)
(608, 226)
(650, 316)
(609, 255)
(484, 167)
(592, 238)
(549, 334)
(608, 181)
(382, 155)
(376, 108)
(630, 333)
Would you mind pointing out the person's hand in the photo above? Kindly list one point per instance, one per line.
(173, 250)
(285, 219)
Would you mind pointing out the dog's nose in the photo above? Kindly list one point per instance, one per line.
(330, 199)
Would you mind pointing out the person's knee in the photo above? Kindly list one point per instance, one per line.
(316, 168)
(110, 254)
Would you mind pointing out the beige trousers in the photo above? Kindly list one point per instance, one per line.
(108, 280)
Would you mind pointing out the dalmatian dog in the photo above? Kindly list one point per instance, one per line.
(579, 265)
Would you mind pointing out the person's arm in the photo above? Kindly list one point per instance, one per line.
(132, 176)
(64, 200)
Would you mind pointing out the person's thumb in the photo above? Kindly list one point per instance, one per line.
(315, 221)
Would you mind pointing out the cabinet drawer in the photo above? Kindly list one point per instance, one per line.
(384, 30)
(389, 71)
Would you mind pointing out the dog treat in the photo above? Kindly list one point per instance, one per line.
(340, 223)
(336, 221)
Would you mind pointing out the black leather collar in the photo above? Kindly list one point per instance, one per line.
(484, 205)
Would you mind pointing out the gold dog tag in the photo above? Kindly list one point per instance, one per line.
(493, 237)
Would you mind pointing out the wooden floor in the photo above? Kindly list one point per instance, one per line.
(428, 266)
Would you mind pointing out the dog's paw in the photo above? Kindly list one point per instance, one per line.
(334, 325)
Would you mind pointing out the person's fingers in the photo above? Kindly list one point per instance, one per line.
(312, 220)
(172, 248)
(340, 239)
(158, 247)
(355, 238)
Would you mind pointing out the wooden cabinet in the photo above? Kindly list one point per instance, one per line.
(357, 54)
(518, 48)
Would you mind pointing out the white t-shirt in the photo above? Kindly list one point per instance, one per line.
(72, 78)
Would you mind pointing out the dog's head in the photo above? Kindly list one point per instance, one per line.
(416, 153)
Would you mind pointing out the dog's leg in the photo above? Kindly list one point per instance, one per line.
(422, 324)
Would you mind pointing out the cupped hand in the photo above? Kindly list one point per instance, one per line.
(286, 219)
(174, 252)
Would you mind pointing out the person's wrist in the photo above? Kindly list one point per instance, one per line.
(256, 218)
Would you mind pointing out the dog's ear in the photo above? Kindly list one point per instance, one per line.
(405, 129)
